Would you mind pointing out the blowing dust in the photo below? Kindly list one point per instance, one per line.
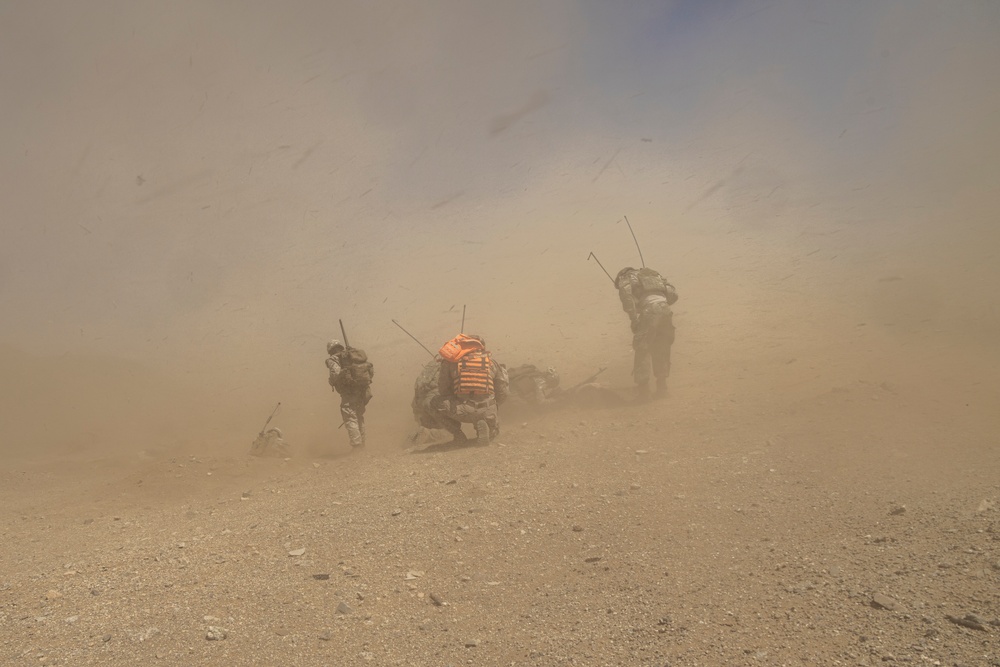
(193, 199)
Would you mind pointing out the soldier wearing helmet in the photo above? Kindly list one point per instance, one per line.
(350, 376)
(646, 297)
(471, 384)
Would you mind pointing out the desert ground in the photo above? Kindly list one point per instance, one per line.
(820, 487)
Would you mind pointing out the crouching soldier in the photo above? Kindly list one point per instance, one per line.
(470, 386)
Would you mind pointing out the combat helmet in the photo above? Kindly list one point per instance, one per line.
(334, 346)
(622, 274)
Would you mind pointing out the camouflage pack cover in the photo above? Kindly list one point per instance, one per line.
(356, 373)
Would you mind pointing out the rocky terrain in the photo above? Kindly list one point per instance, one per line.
(856, 525)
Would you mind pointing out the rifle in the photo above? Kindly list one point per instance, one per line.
(589, 380)
(413, 337)
(269, 418)
(462, 330)
(344, 334)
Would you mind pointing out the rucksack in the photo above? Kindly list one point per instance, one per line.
(356, 371)
(524, 370)
(651, 282)
(474, 375)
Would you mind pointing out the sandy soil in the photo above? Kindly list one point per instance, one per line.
(817, 489)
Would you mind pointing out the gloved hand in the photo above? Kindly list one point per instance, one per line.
(635, 326)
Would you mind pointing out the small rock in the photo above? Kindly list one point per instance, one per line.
(72, 619)
(880, 601)
(970, 621)
(106, 638)
(326, 636)
(592, 559)
(413, 574)
(642, 451)
(323, 576)
(577, 529)
(634, 486)
(53, 595)
(147, 634)
(344, 608)
(397, 512)
(437, 599)
(297, 552)
(898, 510)
(472, 643)
(215, 634)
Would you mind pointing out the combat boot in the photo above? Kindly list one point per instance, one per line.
(482, 433)
(458, 436)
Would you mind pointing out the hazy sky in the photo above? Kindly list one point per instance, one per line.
(165, 167)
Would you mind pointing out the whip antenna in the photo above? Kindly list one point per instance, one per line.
(413, 337)
(636, 242)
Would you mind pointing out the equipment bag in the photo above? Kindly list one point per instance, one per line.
(474, 377)
(357, 371)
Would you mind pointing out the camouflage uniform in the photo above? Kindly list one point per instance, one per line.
(646, 297)
(479, 410)
(534, 385)
(352, 401)
(426, 404)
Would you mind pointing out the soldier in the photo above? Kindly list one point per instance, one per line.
(533, 385)
(351, 376)
(646, 297)
(470, 386)
(270, 443)
(426, 404)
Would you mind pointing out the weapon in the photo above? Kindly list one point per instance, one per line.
(636, 242)
(462, 330)
(589, 380)
(413, 337)
(602, 266)
(269, 418)
(344, 334)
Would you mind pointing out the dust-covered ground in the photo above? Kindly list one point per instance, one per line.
(195, 200)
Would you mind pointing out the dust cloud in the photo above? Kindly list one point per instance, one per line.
(194, 193)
